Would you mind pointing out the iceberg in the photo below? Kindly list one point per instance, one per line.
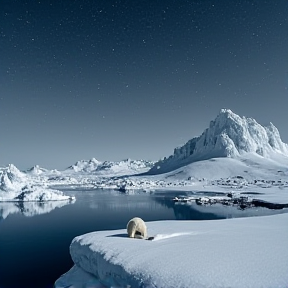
(240, 252)
(17, 186)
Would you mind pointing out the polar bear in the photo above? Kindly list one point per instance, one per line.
(136, 228)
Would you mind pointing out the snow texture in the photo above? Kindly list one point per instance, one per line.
(233, 153)
(235, 253)
(252, 157)
(229, 135)
(126, 166)
(17, 186)
(36, 170)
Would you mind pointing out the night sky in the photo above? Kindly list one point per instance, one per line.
(134, 78)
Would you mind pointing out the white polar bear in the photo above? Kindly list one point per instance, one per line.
(136, 228)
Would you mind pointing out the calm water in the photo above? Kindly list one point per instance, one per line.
(34, 250)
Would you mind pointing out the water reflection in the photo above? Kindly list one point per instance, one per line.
(125, 203)
(30, 240)
(192, 211)
(30, 208)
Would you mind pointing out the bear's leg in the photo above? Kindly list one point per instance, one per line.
(131, 229)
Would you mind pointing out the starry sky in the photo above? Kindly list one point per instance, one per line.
(116, 79)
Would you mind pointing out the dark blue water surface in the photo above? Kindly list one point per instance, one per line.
(34, 250)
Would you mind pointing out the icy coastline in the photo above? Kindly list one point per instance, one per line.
(243, 252)
(235, 157)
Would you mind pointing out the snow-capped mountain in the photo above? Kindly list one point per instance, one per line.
(36, 170)
(229, 135)
(85, 165)
(126, 166)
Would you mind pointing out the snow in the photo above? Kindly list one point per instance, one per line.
(235, 155)
(124, 167)
(250, 173)
(229, 135)
(84, 165)
(242, 252)
(17, 186)
(36, 170)
(257, 159)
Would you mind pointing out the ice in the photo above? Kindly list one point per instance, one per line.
(243, 252)
(19, 187)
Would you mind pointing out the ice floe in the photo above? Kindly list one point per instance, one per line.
(236, 253)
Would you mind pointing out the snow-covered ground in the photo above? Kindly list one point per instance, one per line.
(124, 167)
(242, 252)
(233, 153)
(246, 252)
(235, 156)
(246, 173)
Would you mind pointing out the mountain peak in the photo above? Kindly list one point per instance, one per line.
(229, 135)
(226, 111)
(36, 170)
(226, 117)
(126, 166)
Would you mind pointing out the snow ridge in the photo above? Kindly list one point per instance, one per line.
(36, 170)
(229, 135)
(95, 166)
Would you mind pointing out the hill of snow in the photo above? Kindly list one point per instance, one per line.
(229, 135)
(36, 170)
(85, 165)
(124, 167)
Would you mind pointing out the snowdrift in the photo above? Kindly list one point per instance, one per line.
(243, 252)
